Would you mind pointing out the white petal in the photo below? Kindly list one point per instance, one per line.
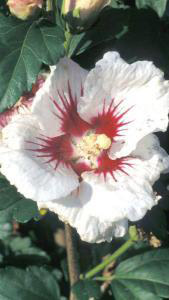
(139, 87)
(153, 156)
(33, 178)
(75, 210)
(66, 71)
(131, 195)
(127, 198)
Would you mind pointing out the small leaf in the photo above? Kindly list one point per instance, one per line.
(143, 276)
(23, 253)
(158, 5)
(86, 289)
(22, 57)
(20, 244)
(25, 210)
(33, 283)
(14, 205)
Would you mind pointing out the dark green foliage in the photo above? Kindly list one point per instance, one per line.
(86, 289)
(13, 204)
(33, 283)
(143, 277)
(37, 42)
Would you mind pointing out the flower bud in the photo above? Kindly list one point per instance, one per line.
(23, 9)
(85, 10)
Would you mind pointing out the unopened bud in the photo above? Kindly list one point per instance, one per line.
(23, 9)
(85, 10)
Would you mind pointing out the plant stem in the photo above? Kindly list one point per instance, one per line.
(72, 258)
(116, 254)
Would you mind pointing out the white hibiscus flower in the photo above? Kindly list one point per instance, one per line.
(87, 151)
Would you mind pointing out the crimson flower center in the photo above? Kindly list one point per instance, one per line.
(83, 146)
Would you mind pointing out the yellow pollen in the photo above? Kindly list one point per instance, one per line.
(103, 141)
(43, 211)
(90, 147)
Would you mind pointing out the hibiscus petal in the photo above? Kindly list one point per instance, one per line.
(75, 209)
(139, 93)
(65, 78)
(33, 177)
(130, 196)
(149, 150)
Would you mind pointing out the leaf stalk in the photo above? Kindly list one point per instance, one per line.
(133, 238)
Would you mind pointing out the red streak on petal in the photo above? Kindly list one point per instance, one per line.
(27, 98)
(71, 121)
(110, 166)
(60, 150)
(57, 149)
(5, 117)
(109, 122)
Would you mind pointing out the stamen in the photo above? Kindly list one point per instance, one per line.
(103, 141)
(90, 147)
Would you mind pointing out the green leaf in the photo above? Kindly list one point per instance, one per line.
(25, 210)
(158, 5)
(33, 283)
(22, 253)
(22, 57)
(144, 276)
(14, 205)
(86, 289)
(20, 244)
